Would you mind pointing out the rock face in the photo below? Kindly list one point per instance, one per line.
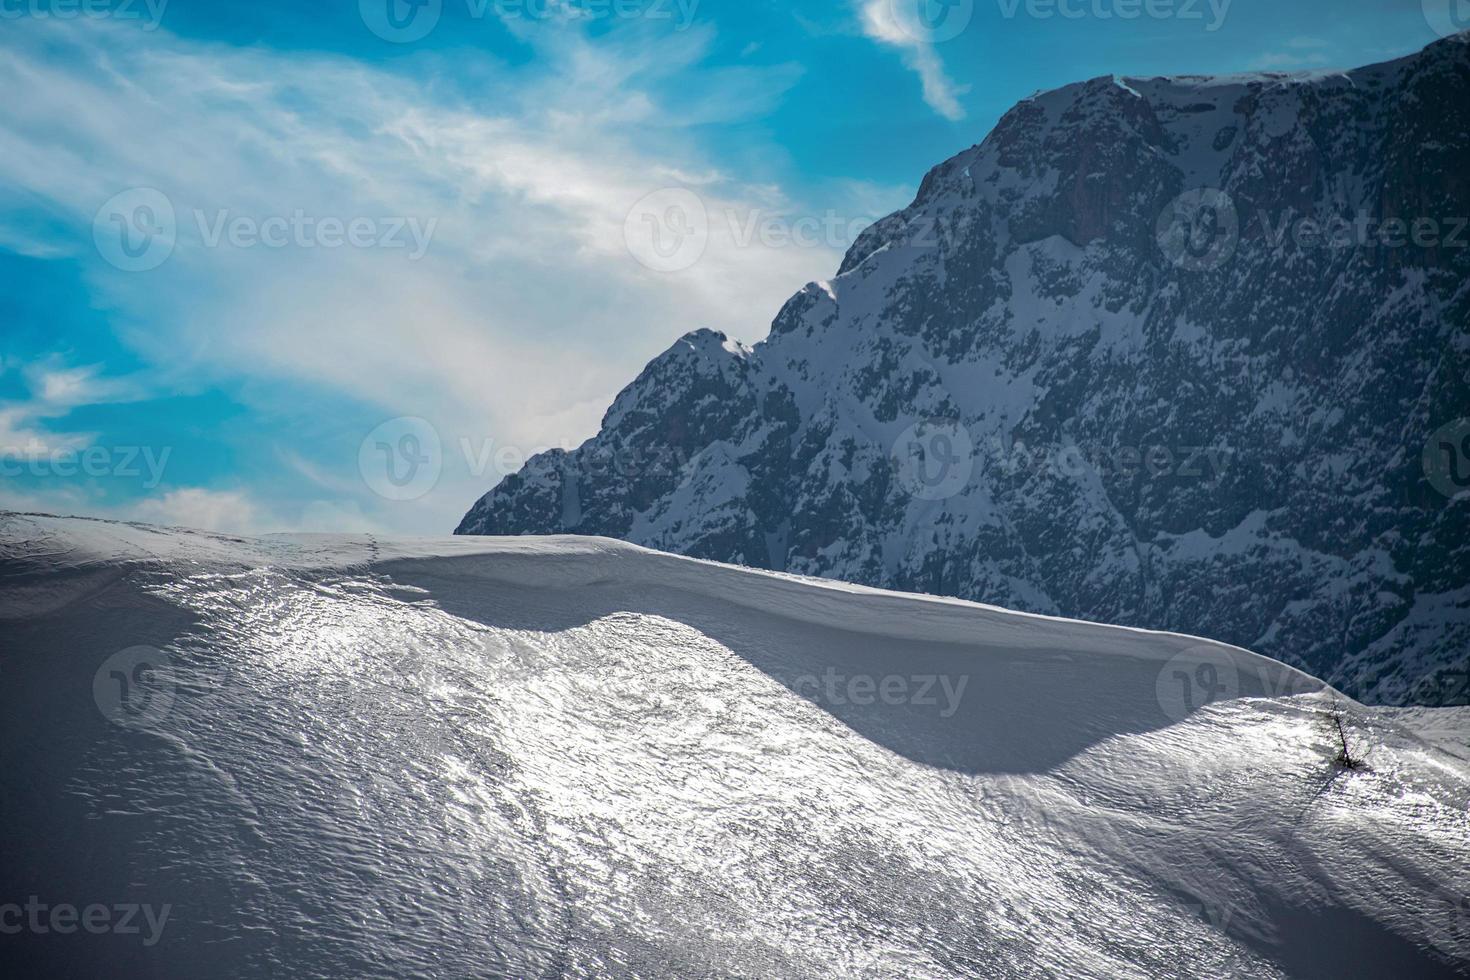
(1185, 353)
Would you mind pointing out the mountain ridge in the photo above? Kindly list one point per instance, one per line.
(1113, 362)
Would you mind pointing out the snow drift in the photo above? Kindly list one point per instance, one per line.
(339, 756)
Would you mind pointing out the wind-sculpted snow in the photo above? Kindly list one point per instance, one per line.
(337, 756)
(1189, 354)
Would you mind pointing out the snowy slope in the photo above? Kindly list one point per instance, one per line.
(575, 757)
(1023, 389)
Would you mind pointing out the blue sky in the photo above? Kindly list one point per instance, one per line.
(253, 255)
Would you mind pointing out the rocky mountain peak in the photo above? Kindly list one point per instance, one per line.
(1183, 353)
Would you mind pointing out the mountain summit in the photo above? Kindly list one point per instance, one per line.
(1184, 353)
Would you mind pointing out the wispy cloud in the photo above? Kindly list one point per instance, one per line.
(1300, 52)
(61, 387)
(23, 437)
(526, 311)
(895, 24)
(53, 390)
(209, 510)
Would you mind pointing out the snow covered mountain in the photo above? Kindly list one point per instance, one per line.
(1185, 353)
(325, 756)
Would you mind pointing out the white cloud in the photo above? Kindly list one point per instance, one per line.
(208, 510)
(67, 387)
(65, 502)
(22, 438)
(1302, 52)
(54, 390)
(880, 20)
(197, 507)
(1288, 60)
(527, 312)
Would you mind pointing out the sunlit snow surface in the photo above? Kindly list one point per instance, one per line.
(572, 757)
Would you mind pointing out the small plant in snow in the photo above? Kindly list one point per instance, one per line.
(1344, 758)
